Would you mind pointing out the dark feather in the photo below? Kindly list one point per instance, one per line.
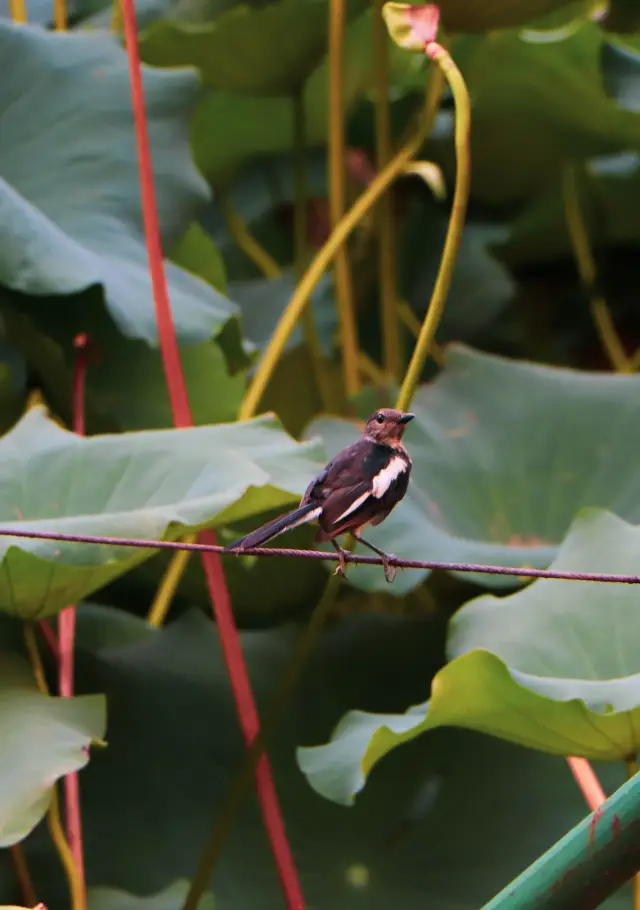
(272, 528)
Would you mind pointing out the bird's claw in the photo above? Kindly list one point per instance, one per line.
(389, 570)
(341, 568)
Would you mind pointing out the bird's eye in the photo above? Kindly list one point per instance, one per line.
(380, 418)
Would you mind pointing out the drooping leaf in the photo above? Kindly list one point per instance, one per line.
(62, 228)
(552, 667)
(126, 386)
(496, 809)
(13, 385)
(196, 252)
(621, 74)
(609, 195)
(479, 16)
(504, 455)
(539, 104)
(263, 300)
(151, 484)
(481, 286)
(41, 739)
(170, 898)
(214, 395)
(260, 50)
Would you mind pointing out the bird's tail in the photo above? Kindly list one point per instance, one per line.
(272, 528)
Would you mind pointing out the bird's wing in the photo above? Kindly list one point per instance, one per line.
(344, 470)
(361, 481)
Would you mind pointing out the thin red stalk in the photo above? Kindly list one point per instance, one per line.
(142, 543)
(587, 781)
(179, 399)
(67, 632)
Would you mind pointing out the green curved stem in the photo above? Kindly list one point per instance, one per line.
(337, 195)
(441, 58)
(242, 778)
(300, 196)
(387, 270)
(587, 270)
(325, 255)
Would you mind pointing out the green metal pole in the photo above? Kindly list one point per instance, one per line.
(590, 862)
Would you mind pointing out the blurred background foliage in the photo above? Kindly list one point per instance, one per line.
(512, 436)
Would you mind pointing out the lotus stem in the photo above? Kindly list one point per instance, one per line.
(18, 11)
(325, 255)
(300, 198)
(169, 585)
(337, 196)
(387, 265)
(245, 240)
(587, 270)
(441, 58)
(76, 887)
(21, 868)
(240, 782)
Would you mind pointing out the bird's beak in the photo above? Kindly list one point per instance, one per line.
(406, 418)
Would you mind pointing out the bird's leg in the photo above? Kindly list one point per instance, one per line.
(341, 568)
(389, 570)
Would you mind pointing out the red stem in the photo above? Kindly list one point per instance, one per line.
(176, 387)
(67, 631)
(587, 781)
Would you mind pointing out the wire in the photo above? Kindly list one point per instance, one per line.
(288, 553)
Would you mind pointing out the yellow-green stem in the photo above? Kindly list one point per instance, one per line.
(21, 869)
(586, 265)
(300, 198)
(116, 25)
(325, 255)
(245, 240)
(77, 892)
(242, 779)
(456, 225)
(169, 584)
(387, 269)
(337, 196)
(632, 770)
(18, 11)
(60, 15)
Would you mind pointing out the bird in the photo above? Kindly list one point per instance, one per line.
(360, 486)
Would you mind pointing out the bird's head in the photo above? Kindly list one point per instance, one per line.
(387, 426)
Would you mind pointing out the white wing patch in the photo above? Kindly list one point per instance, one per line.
(310, 516)
(383, 480)
(354, 505)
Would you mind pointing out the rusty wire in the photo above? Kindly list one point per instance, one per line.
(139, 543)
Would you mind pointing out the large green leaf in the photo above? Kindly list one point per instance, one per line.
(148, 484)
(44, 331)
(479, 16)
(263, 300)
(270, 49)
(62, 228)
(150, 798)
(552, 667)
(504, 455)
(232, 127)
(41, 739)
(481, 286)
(609, 195)
(621, 74)
(537, 103)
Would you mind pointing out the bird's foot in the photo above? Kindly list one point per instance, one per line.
(341, 568)
(389, 570)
